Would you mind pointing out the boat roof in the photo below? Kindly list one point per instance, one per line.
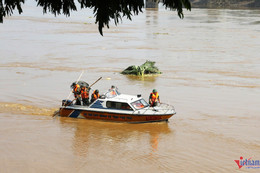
(123, 98)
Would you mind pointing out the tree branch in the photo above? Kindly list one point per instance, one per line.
(104, 10)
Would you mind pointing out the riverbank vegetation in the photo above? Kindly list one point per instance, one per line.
(225, 3)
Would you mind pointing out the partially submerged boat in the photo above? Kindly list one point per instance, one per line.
(118, 107)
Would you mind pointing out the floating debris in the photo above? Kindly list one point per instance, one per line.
(144, 69)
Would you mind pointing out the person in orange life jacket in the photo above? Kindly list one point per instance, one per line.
(95, 95)
(85, 96)
(154, 98)
(113, 90)
(77, 93)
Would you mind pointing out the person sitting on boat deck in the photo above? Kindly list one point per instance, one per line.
(154, 98)
(95, 95)
(77, 93)
(112, 90)
(85, 96)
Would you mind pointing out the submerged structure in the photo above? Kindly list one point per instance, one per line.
(144, 69)
(151, 4)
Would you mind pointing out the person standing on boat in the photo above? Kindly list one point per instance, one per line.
(95, 95)
(85, 96)
(77, 93)
(154, 98)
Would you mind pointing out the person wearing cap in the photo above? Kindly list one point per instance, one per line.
(154, 98)
(95, 95)
(85, 96)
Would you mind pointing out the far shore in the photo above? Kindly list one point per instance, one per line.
(228, 8)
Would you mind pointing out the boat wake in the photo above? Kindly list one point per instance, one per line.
(16, 108)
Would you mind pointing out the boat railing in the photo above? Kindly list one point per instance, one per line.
(164, 108)
(167, 107)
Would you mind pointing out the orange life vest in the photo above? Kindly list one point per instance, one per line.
(84, 94)
(154, 97)
(95, 96)
(76, 90)
(112, 92)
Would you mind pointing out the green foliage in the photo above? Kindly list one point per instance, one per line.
(8, 6)
(104, 10)
(177, 4)
(146, 68)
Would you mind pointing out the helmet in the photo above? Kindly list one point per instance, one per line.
(154, 90)
(96, 91)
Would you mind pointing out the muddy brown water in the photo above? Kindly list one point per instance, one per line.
(211, 74)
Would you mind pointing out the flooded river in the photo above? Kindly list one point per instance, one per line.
(211, 74)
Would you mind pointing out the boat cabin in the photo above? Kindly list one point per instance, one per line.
(117, 101)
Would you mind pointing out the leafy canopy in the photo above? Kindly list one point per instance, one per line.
(104, 10)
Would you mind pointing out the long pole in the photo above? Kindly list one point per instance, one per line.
(76, 83)
(87, 89)
(94, 82)
(70, 92)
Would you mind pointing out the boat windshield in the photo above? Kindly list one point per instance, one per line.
(112, 93)
(139, 104)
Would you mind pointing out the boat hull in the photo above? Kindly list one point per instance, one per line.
(108, 116)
